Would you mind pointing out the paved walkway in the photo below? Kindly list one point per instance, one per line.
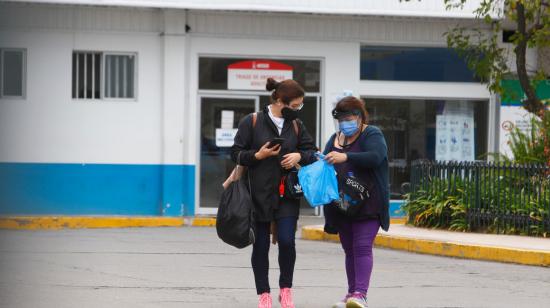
(493, 247)
(493, 240)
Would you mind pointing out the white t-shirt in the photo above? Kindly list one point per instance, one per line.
(279, 122)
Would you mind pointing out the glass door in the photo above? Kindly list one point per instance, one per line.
(220, 118)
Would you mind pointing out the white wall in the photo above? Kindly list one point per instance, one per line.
(49, 126)
(161, 126)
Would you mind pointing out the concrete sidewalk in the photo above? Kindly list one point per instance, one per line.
(491, 247)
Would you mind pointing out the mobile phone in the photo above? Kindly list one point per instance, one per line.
(275, 142)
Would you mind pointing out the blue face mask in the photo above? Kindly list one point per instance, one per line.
(348, 128)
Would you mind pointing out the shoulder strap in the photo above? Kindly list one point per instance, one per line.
(331, 141)
(296, 127)
(254, 118)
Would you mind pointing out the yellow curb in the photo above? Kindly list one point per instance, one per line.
(477, 252)
(203, 222)
(398, 221)
(75, 222)
(211, 221)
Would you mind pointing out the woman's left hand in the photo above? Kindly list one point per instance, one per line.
(290, 160)
(336, 157)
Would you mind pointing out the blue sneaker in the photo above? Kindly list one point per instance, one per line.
(357, 300)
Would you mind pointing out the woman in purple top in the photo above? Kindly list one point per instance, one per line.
(358, 150)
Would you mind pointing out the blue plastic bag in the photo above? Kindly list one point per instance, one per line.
(319, 183)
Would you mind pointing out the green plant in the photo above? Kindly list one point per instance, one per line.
(503, 198)
(531, 146)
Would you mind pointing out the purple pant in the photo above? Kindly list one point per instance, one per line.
(357, 239)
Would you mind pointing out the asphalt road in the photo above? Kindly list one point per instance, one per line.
(190, 267)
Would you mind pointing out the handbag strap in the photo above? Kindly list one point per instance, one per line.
(240, 166)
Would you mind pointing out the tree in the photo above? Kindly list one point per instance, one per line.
(530, 25)
(479, 46)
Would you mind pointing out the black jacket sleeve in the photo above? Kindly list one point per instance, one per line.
(306, 147)
(374, 152)
(243, 143)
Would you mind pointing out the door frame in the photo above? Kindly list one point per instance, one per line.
(253, 97)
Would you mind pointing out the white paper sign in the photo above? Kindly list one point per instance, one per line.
(225, 137)
(228, 117)
(441, 137)
(455, 133)
(511, 117)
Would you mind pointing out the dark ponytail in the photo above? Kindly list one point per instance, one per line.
(271, 84)
(286, 90)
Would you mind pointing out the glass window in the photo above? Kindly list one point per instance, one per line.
(213, 72)
(13, 72)
(411, 129)
(413, 64)
(119, 76)
(86, 74)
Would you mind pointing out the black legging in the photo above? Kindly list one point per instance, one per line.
(286, 235)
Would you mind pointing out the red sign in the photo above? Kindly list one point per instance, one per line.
(253, 74)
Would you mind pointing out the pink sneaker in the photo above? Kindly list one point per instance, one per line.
(285, 298)
(265, 300)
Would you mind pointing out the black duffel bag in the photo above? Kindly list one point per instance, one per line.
(235, 218)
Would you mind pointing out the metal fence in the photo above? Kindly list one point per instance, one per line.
(496, 197)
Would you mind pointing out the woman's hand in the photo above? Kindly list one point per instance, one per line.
(336, 157)
(265, 152)
(290, 160)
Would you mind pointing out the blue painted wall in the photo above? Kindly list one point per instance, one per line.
(396, 210)
(96, 189)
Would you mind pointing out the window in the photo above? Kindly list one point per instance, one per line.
(13, 72)
(119, 76)
(413, 64)
(98, 75)
(412, 132)
(86, 74)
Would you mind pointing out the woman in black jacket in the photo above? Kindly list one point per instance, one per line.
(267, 165)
